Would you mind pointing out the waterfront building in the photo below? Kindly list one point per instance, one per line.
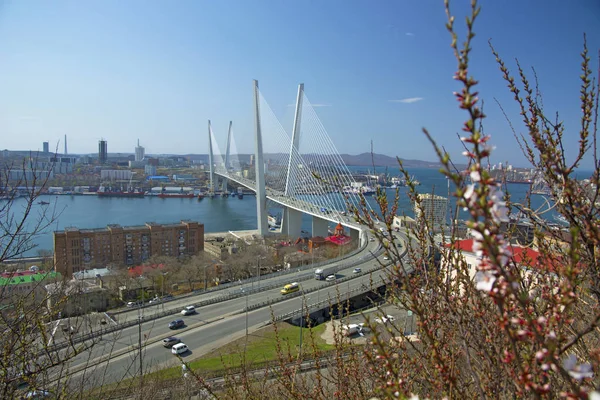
(115, 174)
(431, 208)
(79, 249)
(139, 152)
(102, 151)
(28, 175)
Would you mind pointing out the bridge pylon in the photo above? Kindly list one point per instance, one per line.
(211, 162)
(227, 163)
(261, 192)
(291, 224)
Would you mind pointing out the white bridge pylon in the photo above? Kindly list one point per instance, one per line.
(316, 182)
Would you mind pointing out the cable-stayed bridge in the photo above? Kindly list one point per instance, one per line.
(303, 172)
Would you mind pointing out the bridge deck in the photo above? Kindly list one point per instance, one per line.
(301, 205)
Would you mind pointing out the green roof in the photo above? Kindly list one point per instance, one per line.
(21, 279)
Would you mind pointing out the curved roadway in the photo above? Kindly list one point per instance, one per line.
(116, 355)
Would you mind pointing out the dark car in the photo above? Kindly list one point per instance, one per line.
(170, 341)
(178, 323)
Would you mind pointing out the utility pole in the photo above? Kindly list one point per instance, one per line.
(140, 317)
(246, 341)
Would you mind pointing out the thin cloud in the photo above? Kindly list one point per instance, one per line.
(408, 100)
(409, 34)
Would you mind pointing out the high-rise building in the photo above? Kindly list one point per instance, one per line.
(46, 147)
(139, 152)
(66, 145)
(102, 151)
(432, 208)
(80, 249)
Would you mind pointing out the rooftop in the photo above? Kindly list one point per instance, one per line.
(29, 278)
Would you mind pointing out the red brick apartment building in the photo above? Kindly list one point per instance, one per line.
(79, 249)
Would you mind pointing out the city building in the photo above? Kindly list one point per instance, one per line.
(25, 284)
(432, 208)
(20, 175)
(59, 165)
(139, 152)
(150, 170)
(136, 164)
(102, 151)
(116, 174)
(403, 221)
(159, 178)
(528, 260)
(80, 249)
(76, 297)
(46, 147)
(153, 162)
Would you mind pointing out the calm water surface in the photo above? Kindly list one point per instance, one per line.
(217, 214)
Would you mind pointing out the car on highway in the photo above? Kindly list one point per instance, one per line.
(290, 288)
(386, 258)
(330, 278)
(179, 348)
(189, 310)
(132, 303)
(171, 341)
(38, 394)
(385, 319)
(178, 323)
(356, 271)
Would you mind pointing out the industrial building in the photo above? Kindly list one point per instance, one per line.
(80, 249)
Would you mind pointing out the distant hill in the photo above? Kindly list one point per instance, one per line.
(381, 160)
(360, 160)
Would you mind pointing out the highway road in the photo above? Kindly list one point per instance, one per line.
(212, 327)
(281, 280)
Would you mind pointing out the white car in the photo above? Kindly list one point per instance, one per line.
(385, 320)
(386, 258)
(189, 310)
(330, 278)
(357, 271)
(179, 348)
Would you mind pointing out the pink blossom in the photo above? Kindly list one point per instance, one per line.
(475, 176)
(485, 282)
(580, 371)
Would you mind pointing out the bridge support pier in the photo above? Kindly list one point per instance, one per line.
(355, 235)
(319, 227)
(291, 224)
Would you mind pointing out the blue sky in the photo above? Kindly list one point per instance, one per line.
(157, 70)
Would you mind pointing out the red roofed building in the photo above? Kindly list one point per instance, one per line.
(142, 269)
(522, 257)
(339, 237)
